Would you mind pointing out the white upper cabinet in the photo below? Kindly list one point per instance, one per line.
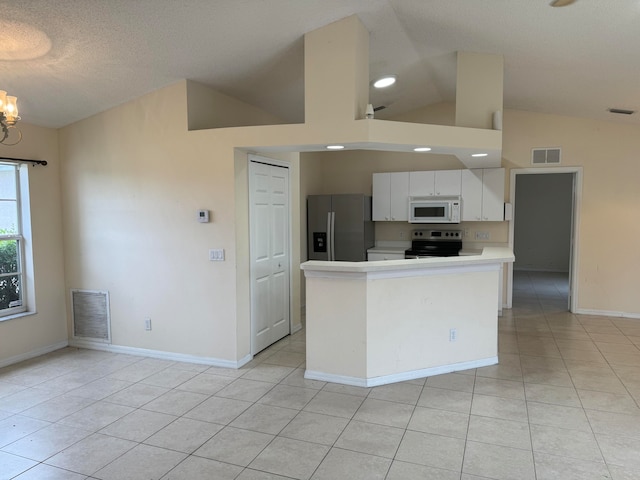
(421, 184)
(481, 190)
(391, 196)
(483, 194)
(435, 183)
(448, 182)
(471, 195)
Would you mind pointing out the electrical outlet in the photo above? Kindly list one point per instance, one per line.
(482, 236)
(401, 234)
(147, 324)
(453, 335)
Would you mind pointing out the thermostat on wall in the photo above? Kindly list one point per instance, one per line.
(203, 216)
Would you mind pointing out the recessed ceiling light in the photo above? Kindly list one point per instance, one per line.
(335, 147)
(422, 149)
(385, 81)
(479, 154)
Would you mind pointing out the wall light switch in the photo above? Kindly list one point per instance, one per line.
(216, 255)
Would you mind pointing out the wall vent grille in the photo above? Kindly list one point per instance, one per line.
(545, 156)
(91, 318)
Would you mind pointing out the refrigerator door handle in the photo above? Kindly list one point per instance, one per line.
(329, 235)
(333, 237)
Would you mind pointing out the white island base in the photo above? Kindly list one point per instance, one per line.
(374, 323)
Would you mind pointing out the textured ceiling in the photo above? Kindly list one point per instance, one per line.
(577, 60)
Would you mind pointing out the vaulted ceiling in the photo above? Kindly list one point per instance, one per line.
(69, 59)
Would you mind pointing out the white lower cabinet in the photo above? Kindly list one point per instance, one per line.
(483, 195)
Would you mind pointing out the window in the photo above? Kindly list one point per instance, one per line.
(12, 281)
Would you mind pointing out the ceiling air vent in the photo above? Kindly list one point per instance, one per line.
(621, 111)
(545, 156)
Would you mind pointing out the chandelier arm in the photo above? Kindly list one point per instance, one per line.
(17, 141)
(5, 131)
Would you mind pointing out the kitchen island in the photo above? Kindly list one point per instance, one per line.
(374, 323)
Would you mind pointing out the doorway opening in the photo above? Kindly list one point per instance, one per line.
(542, 234)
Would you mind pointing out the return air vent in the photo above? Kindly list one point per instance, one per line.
(622, 111)
(545, 156)
(90, 310)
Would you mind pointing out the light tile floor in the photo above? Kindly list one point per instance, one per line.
(562, 404)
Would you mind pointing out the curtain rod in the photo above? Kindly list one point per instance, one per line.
(23, 160)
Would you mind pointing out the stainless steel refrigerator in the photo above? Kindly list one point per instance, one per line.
(339, 227)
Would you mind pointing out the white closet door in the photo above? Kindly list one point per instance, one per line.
(269, 217)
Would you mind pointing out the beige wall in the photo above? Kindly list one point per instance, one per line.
(608, 155)
(607, 277)
(207, 108)
(133, 181)
(46, 328)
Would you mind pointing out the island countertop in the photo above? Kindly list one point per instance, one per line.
(488, 255)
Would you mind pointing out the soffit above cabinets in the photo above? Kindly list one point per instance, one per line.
(389, 136)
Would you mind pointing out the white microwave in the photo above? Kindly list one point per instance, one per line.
(434, 209)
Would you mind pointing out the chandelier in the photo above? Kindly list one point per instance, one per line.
(8, 119)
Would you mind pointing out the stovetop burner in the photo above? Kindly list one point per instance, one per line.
(434, 243)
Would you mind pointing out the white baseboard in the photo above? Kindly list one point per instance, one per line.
(541, 269)
(606, 313)
(296, 328)
(176, 357)
(33, 353)
(398, 377)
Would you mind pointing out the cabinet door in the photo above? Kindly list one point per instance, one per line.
(399, 196)
(381, 202)
(492, 194)
(471, 191)
(448, 182)
(421, 184)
